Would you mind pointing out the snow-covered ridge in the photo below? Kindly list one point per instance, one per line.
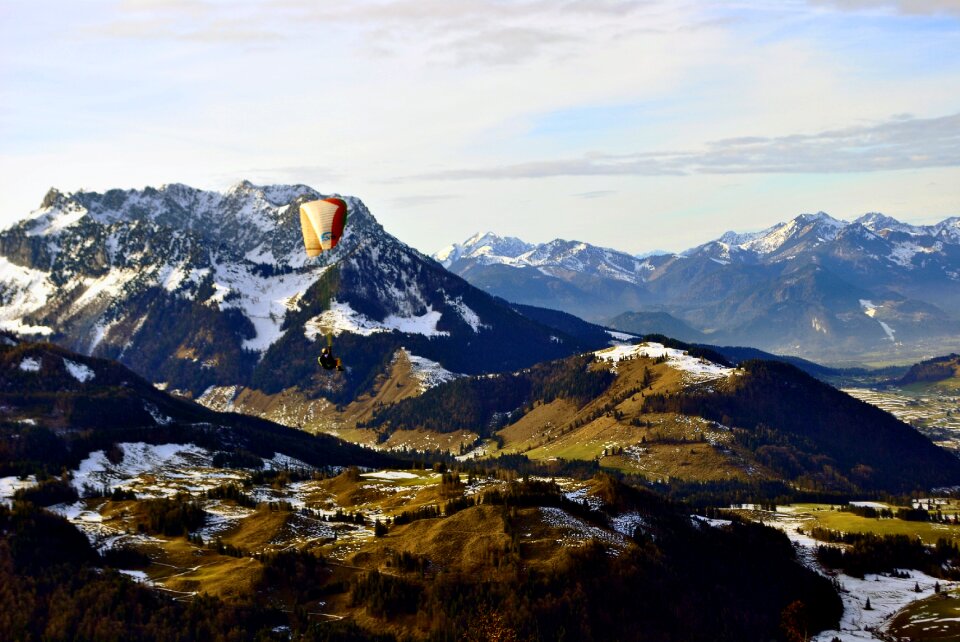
(496, 248)
(573, 256)
(696, 369)
(909, 245)
(821, 226)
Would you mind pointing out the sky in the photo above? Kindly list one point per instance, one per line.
(633, 124)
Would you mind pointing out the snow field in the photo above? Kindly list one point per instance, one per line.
(428, 373)
(870, 310)
(25, 291)
(390, 474)
(79, 371)
(29, 364)
(342, 318)
(10, 485)
(887, 595)
(263, 300)
(696, 369)
(576, 532)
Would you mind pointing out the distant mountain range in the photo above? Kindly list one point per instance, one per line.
(195, 289)
(810, 286)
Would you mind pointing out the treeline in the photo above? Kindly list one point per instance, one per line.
(474, 403)
(870, 553)
(232, 492)
(906, 514)
(170, 516)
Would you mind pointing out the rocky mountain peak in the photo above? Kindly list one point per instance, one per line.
(484, 246)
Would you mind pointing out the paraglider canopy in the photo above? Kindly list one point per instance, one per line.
(322, 223)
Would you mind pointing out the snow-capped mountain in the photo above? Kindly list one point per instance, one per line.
(554, 258)
(794, 287)
(583, 279)
(803, 233)
(486, 248)
(197, 288)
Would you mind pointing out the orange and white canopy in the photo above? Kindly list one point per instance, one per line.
(322, 223)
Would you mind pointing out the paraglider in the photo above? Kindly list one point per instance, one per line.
(322, 223)
(327, 360)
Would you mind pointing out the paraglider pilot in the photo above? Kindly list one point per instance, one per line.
(322, 223)
(328, 361)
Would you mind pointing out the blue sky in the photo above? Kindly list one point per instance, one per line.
(632, 124)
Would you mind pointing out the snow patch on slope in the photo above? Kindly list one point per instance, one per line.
(428, 373)
(29, 364)
(49, 221)
(103, 289)
(79, 371)
(10, 485)
(22, 292)
(96, 471)
(620, 337)
(469, 316)
(870, 310)
(903, 253)
(158, 417)
(263, 300)
(697, 369)
(342, 318)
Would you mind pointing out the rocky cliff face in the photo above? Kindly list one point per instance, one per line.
(195, 288)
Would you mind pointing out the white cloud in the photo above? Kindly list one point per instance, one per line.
(905, 7)
(901, 142)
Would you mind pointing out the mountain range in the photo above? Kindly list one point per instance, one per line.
(810, 286)
(195, 289)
